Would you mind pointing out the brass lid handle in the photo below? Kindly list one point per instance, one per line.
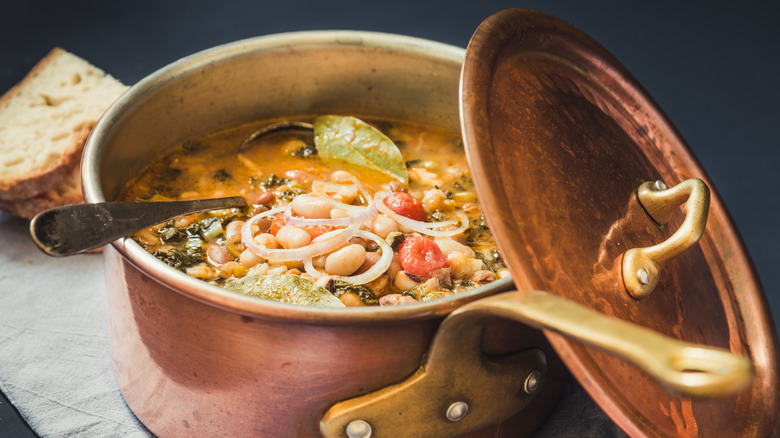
(642, 266)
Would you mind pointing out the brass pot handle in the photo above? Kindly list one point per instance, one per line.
(686, 368)
(642, 266)
(458, 390)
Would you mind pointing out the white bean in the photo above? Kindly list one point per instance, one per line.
(346, 260)
(403, 282)
(350, 299)
(217, 254)
(258, 269)
(277, 269)
(341, 176)
(383, 225)
(267, 240)
(448, 246)
(395, 299)
(233, 231)
(346, 194)
(462, 266)
(395, 267)
(433, 200)
(319, 261)
(338, 213)
(311, 207)
(290, 236)
(323, 281)
(249, 259)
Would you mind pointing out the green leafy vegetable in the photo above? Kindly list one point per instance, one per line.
(267, 183)
(349, 140)
(222, 175)
(284, 288)
(181, 258)
(364, 293)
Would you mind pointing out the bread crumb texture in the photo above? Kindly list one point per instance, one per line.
(43, 125)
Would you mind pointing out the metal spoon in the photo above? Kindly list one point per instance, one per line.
(73, 229)
(275, 128)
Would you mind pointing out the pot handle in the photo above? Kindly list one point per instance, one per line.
(642, 266)
(458, 390)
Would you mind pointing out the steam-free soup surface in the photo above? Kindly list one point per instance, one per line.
(361, 214)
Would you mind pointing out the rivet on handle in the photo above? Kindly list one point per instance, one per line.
(642, 266)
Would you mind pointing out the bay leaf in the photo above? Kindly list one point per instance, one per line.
(284, 288)
(351, 141)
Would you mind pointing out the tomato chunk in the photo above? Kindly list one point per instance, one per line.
(277, 223)
(314, 230)
(405, 205)
(420, 256)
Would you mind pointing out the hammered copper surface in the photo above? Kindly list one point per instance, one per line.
(559, 137)
(186, 368)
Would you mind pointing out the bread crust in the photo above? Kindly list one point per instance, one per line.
(47, 175)
(29, 207)
(67, 191)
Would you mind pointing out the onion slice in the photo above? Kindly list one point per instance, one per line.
(334, 239)
(427, 228)
(371, 274)
(364, 214)
(357, 214)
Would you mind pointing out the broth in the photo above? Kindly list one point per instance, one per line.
(301, 200)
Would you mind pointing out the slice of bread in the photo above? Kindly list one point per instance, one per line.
(68, 191)
(42, 125)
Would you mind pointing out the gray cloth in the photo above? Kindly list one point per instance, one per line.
(55, 364)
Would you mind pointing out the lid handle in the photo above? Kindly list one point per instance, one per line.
(642, 266)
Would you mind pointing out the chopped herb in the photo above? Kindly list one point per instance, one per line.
(413, 292)
(477, 230)
(308, 150)
(267, 183)
(222, 175)
(181, 258)
(492, 259)
(170, 234)
(162, 184)
(432, 295)
(289, 194)
(168, 174)
(448, 194)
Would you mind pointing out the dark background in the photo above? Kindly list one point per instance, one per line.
(713, 67)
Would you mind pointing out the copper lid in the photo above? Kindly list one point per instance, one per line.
(560, 136)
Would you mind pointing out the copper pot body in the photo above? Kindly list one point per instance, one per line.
(194, 360)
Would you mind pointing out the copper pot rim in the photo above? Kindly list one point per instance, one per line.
(214, 295)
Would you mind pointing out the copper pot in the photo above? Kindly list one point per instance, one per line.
(193, 359)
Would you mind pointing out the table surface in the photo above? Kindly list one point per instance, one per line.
(713, 68)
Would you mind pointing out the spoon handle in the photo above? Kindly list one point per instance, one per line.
(73, 229)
